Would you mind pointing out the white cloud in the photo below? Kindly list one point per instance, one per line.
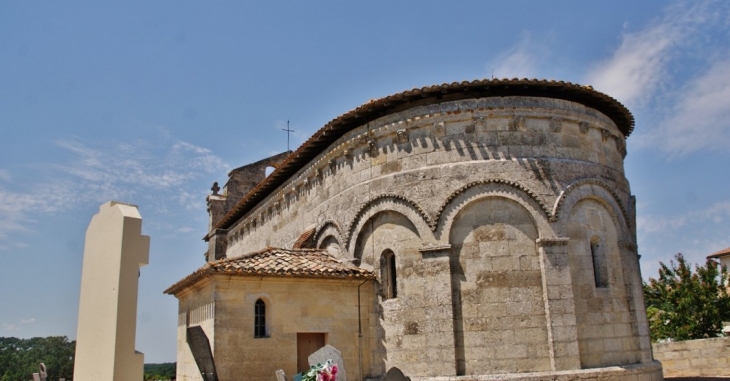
(701, 117)
(518, 62)
(160, 173)
(640, 65)
(27, 321)
(4, 175)
(675, 74)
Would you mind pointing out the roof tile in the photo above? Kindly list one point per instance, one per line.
(307, 263)
(721, 253)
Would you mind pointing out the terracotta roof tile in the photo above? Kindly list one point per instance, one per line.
(721, 253)
(304, 237)
(305, 263)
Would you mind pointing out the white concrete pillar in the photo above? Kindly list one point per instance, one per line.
(115, 250)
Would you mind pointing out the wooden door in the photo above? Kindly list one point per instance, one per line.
(307, 343)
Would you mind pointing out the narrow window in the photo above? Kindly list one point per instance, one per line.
(259, 325)
(600, 266)
(391, 268)
(387, 275)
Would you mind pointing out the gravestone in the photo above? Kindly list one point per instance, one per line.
(329, 352)
(41, 375)
(395, 374)
(280, 376)
(203, 355)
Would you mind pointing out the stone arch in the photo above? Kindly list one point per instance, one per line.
(601, 301)
(496, 281)
(391, 229)
(326, 229)
(596, 190)
(477, 190)
(369, 234)
(327, 236)
(389, 202)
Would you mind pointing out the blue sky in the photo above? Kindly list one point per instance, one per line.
(150, 102)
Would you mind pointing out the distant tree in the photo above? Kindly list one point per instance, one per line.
(163, 371)
(684, 304)
(19, 358)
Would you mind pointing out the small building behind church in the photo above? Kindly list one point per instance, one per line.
(270, 301)
(472, 229)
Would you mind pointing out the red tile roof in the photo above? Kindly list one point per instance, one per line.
(720, 253)
(306, 236)
(304, 263)
(483, 88)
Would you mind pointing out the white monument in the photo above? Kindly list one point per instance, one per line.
(115, 250)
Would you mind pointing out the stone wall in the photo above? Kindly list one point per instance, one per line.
(540, 145)
(651, 371)
(196, 307)
(695, 358)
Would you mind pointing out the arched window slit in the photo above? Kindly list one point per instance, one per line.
(259, 328)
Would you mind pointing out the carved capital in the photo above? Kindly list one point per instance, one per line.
(584, 127)
(518, 123)
(372, 144)
(556, 124)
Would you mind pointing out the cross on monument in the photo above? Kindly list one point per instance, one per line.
(288, 131)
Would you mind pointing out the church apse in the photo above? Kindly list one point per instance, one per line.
(491, 222)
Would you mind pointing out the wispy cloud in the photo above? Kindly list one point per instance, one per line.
(4, 175)
(715, 213)
(675, 73)
(695, 234)
(700, 119)
(640, 64)
(11, 327)
(161, 172)
(520, 61)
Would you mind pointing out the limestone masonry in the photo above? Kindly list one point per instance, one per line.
(481, 230)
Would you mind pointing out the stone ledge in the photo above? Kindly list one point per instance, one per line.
(651, 371)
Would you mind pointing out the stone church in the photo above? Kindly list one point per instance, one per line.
(473, 230)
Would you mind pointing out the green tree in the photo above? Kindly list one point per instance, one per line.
(164, 371)
(684, 304)
(19, 358)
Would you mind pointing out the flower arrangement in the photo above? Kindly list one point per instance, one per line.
(321, 372)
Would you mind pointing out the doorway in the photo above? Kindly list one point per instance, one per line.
(307, 343)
